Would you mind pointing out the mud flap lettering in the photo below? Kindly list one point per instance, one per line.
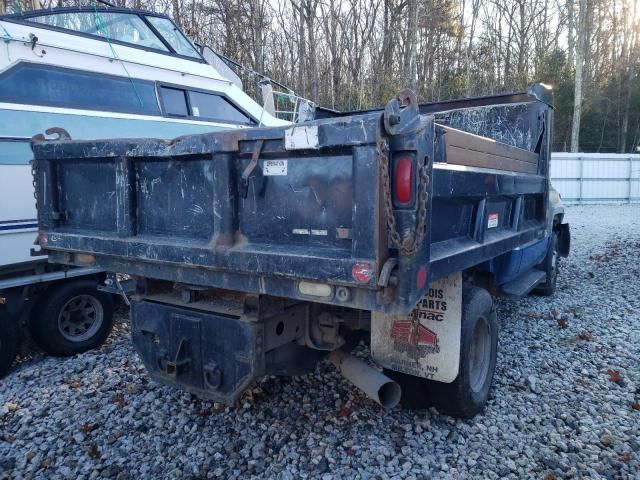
(427, 342)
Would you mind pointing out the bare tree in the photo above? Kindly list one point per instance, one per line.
(357, 53)
(581, 48)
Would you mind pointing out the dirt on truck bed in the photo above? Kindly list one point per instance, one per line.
(566, 399)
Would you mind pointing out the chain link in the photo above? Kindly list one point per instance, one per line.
(36, 186)
(412, 243)
(35, 181)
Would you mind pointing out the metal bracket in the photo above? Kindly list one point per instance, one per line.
(255, 156)
(212, 375)
(177, 365)
(60, 134)
(385, 273)
(33, 40)
(322, 332)
(115, 287)
(401, 112)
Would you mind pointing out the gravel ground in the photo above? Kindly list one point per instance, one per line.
(565, 401)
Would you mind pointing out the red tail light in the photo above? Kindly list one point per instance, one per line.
(403, 180)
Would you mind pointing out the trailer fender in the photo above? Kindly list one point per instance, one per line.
(426, 343)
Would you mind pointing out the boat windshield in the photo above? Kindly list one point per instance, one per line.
(171, 34)
(128, 28)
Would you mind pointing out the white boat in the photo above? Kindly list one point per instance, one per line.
(97, 72)
(100, 73)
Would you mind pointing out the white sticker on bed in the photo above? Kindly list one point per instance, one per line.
(274, 168)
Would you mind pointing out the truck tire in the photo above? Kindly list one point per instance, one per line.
(551, 266)
(8, 342)
(467, 394)
(72, 318)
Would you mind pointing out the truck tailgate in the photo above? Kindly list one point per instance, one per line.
(308, 209)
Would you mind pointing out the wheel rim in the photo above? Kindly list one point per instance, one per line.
(80, 318)
(480, 354)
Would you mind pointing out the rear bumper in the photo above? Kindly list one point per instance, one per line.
(250, 282)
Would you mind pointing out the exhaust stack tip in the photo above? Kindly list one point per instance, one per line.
(380, 388)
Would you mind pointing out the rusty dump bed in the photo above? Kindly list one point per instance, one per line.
(262, 209)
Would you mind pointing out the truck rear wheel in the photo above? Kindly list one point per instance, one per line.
(468, 393)
(72, 318)
(8, 341)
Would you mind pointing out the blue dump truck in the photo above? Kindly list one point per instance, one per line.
(261, 251)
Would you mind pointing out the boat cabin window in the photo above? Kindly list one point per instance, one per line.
(171, 34)
(215, 107)
(34, 84)
(201, 105)
(121, 27)
(174, 101)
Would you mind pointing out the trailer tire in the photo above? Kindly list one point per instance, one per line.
(8, 341)
(72, 318)
(551, 266)
(467, 395)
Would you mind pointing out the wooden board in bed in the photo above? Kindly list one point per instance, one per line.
(464, 148)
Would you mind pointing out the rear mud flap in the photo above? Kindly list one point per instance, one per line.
(427, 342)
(214, 356)
(564, 239)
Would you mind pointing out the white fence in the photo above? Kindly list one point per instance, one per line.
(596, 177)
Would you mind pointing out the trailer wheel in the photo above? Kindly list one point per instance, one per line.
(551, 265)
(467, 395)
(72, 318)
(8, 342)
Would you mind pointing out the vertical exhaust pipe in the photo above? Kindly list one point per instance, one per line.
(377, 386)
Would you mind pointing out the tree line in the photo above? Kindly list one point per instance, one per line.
(353, 54)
